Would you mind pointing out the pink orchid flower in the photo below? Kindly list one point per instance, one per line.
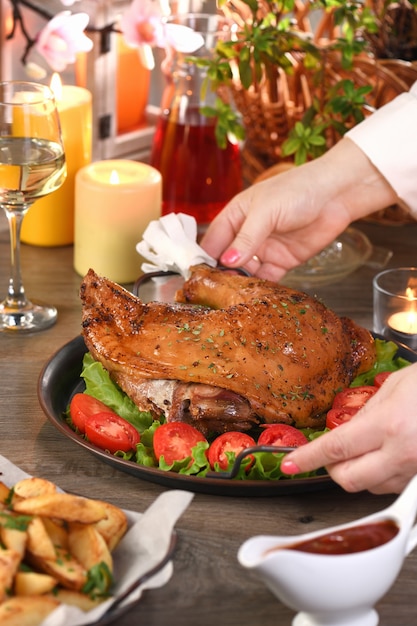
(62, 37)
(69, 3)
(141, 24)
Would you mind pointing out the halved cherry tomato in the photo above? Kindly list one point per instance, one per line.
(175, 441)
(337, 416)
(381, 378)
(83, 406)
(109, 431)
(353, 397)
(233, 441)
(281, 435)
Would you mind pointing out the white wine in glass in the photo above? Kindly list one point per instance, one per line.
(32, 165)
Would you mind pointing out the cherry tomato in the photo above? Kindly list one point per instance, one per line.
(232, 441)
(281, 435)
(175, 441)
(353, 397)
(109, 431)
(337, 416)
(83, 406)
(381, 378)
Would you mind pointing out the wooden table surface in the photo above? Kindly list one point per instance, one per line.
(208, 586)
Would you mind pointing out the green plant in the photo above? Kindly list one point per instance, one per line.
(270, 40)
(344, 104)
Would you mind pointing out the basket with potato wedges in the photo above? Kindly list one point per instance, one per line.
(55, 548)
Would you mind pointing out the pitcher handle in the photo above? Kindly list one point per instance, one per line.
(405, 506)
(411, 541)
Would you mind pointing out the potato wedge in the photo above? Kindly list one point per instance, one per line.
(75, 598)
(88, 546)
(63, 506)
(9, 563)
(31, 487)
(57, 532)
(14, 539)
(65, 568)
(39, 542)
(114, 526)
(33, 583)
(26, 611)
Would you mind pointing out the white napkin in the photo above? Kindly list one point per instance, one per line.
(143, 546)
(170, 243)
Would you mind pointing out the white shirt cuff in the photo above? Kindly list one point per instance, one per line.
(389, 139)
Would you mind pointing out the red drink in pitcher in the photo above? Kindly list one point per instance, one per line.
(198, 177)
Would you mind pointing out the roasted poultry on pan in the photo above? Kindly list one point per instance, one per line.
(253, 351)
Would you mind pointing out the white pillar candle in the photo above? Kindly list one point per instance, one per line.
(114, 202)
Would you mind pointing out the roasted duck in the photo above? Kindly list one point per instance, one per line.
(250, 352)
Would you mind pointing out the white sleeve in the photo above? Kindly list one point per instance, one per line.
(389, 139)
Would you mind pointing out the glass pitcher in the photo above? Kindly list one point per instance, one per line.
(198, 177)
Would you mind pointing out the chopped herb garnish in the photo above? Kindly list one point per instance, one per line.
(99, 581)
(16, 522)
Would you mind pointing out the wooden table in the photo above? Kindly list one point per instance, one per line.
(208, 585)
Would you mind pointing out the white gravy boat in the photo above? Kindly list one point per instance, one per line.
(335, 590)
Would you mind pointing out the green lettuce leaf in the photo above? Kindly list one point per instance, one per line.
(99, 385)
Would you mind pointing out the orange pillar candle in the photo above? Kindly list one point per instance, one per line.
(114, 202)
(132, 88)
(50, 221)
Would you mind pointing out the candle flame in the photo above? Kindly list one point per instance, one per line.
(410, 294)
(56, 86)
(411, 297)
(9, 23)
(114, 178)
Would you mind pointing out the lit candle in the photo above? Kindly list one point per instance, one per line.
(50, 221)
(114, 202)
(403, 324)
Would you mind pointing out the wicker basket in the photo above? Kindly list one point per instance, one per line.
(270, 109)
(267, 124)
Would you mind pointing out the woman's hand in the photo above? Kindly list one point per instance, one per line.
(377, 449)
(277, 224)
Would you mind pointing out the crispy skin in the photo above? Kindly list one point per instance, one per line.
(247, 348)
(282, 350)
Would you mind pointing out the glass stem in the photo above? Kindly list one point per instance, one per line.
(16, 297)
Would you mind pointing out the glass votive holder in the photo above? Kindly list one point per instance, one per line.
(395, 305)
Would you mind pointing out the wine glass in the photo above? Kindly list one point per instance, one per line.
(32, 165)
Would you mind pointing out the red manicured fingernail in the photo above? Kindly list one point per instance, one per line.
(230, 257)
(289, 467)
